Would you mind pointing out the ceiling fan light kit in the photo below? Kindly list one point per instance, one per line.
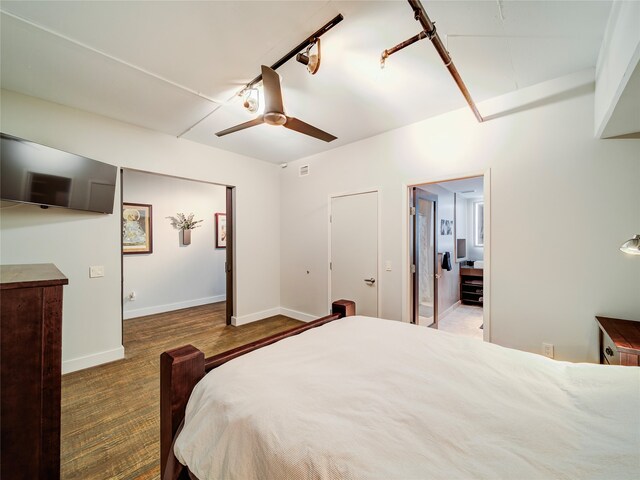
(429, 31)
(274, 111)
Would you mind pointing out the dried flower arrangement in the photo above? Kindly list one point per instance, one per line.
(187, 222)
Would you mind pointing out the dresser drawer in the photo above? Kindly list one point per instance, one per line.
(619, 341)
(609, 350)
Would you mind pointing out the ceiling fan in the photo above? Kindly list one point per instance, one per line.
(274, 111)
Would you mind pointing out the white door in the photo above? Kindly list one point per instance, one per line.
(354, 251)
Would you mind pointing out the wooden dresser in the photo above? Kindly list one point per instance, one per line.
(619, 341)
(31, 317)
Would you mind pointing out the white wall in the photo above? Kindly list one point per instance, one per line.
(174, 276)
(562, 202)
(92, 327)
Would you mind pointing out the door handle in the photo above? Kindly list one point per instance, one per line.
(370, 281)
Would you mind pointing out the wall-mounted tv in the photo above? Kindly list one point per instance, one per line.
(34, 173)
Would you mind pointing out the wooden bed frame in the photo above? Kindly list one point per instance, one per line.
(182, 368)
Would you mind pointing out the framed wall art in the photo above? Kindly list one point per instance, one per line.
(221, 230)
(137, 231)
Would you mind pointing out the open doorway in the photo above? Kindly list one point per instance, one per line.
(447, 256)
(167, 266)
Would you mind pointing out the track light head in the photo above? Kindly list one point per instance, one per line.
(312, 61)
(250, 102)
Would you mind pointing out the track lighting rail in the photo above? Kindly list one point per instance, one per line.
(301, 46)
(429, 31)
(390, 51)
(421, 16)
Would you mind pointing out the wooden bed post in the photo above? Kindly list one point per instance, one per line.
(344, 308)
(180, 370)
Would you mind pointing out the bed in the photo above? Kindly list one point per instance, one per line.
(369, 398)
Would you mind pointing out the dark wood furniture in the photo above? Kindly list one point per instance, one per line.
(619, 341)
(471, 286)
(182, 368)
(31, 317)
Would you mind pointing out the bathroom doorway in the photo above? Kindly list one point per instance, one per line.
(447, 232)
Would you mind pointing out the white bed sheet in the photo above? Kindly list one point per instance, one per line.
(364, 398)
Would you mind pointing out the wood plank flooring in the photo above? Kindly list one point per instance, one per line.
(110, 413)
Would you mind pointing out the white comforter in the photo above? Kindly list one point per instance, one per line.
(364, 398)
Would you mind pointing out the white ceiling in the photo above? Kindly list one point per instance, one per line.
(167, 65)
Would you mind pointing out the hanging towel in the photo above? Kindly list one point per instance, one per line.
(446, 261)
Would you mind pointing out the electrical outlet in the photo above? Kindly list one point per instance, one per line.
(96, 271)
(547, 350)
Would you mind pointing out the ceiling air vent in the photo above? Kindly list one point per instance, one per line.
(304, 170)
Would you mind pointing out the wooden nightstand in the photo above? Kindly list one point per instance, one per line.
(619, 341)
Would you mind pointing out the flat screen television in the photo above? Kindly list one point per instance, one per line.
(34, 173)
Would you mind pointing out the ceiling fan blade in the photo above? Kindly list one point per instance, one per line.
(272, 91)
(300, 126)
(242, 126)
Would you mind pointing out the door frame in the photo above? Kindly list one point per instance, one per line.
(230, 254)
(230, 263)
(330, 197)
(415, 308)
(406, 271)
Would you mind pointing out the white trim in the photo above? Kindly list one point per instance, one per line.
(303, 317)
(254, 317)
(331, 196)
(169, 307)
(80, 363)
(449, 310)
(486, 255)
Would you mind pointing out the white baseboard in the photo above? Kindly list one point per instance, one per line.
(141, 312)
(303, 317)
(92, 360)
(254, 317)
(449, 310)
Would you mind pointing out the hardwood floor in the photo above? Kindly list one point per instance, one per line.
(110, 413)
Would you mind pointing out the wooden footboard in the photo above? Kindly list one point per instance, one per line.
(182, 368)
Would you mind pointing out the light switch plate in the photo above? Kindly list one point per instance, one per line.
(387, 266)
(96, 271)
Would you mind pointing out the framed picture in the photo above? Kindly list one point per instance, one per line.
(137, 234)
(446, 227)
(221, 230)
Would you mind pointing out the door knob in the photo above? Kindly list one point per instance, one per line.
(370, 281)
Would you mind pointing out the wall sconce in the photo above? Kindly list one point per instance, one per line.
(632, 246)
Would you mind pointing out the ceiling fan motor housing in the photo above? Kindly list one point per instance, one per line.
(275, 118)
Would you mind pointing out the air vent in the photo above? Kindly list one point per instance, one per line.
(304, 170)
